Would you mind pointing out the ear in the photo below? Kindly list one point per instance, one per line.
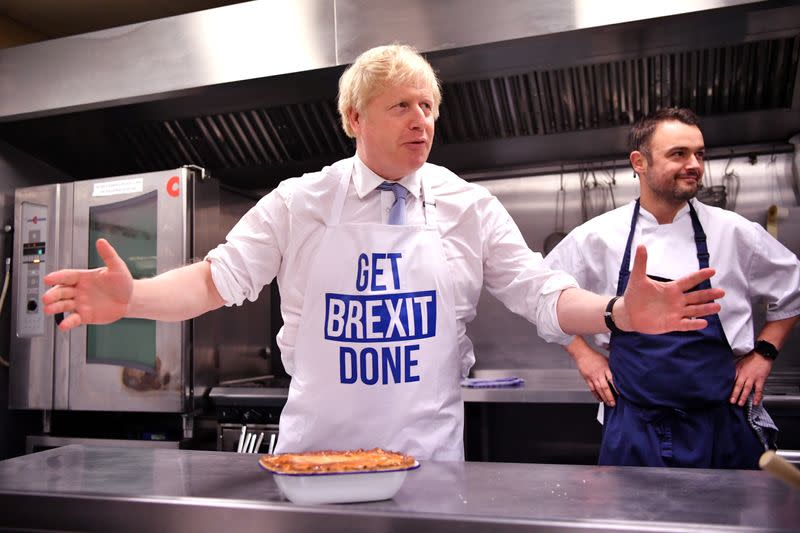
(353, 118)
(638, 162)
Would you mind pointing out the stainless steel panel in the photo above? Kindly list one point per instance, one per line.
(166, 56)
(793, 456)
(134, 489)
(102, 386)
(61, 363)
(36, 443)
(448, 24)
(244, 343)
(32, 364)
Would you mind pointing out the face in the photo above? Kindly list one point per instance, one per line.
(395, 130)
(673, 173)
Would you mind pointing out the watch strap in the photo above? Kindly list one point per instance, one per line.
(766, 348)
(609, 317)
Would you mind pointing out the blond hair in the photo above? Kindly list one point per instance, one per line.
(381, 67)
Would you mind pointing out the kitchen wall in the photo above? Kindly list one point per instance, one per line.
(506, 341)
(17, 169)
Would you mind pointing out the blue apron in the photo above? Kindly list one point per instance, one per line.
(673, 408)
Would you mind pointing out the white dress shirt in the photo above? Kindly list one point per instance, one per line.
(280, 236)
(750, 265)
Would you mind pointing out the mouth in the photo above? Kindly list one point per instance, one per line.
(418, 146)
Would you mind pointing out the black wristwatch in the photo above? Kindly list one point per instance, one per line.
(766, 348)
(609, 318)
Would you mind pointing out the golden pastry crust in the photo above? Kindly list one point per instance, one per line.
(332, 461)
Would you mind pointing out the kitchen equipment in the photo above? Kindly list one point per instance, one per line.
(156, 221)
(780, 468)
(552, 240)
(251, 442)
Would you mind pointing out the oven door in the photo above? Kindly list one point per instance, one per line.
(132, 364)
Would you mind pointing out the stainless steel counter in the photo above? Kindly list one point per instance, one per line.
(541, 386)
(134, 489)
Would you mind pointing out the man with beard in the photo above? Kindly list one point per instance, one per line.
(685, 399)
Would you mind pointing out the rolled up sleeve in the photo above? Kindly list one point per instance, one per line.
(251, 256)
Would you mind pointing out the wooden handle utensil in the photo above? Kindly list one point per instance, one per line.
(780, 468)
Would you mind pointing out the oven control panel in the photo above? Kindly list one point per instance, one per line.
(30, 315)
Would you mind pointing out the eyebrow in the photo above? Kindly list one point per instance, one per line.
(686, 148)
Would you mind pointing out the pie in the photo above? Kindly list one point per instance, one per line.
(330, 461)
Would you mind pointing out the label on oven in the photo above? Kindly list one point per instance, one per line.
(111, 188)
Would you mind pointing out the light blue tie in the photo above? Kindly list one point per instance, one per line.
(397, 215)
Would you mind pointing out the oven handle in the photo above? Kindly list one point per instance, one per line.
(782, 400)
(793, 456)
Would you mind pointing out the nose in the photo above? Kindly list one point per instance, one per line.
(694, 163)
(418, 117)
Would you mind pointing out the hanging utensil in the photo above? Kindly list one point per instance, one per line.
(558, 234)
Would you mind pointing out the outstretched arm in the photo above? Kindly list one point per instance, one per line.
(106, 294)
(648, 306)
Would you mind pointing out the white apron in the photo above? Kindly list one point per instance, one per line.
(376, 358)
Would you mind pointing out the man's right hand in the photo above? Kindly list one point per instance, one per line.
(97, 296)
(594, 369)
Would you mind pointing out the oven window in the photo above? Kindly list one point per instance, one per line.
(130, 226)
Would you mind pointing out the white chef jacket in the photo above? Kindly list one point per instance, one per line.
(750, 265)
(280, 235)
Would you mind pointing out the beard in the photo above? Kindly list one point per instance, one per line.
(684, 194)
(677, 191)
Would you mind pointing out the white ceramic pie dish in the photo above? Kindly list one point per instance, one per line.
(344, 487)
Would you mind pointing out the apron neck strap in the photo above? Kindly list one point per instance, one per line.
(342, 170)
(699, 239)
(429, 203)
(622, 280)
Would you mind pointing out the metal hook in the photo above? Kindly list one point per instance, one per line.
(726, 172)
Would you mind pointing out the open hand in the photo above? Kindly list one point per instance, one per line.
(660, 307)
(97, 296)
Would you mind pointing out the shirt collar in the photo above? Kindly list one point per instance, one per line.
(365, 180)
(647, 215)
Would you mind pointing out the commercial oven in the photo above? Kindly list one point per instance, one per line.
(156, 221)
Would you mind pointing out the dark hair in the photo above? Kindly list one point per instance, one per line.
(642, 130)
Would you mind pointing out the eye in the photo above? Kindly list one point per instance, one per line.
(427, 105)
(700, 155)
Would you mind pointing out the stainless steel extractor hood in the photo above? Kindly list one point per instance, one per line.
(249, 90)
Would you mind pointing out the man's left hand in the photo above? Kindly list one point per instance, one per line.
(656, 307)
(751, 373)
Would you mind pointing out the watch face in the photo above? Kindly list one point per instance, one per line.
(767, 349)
